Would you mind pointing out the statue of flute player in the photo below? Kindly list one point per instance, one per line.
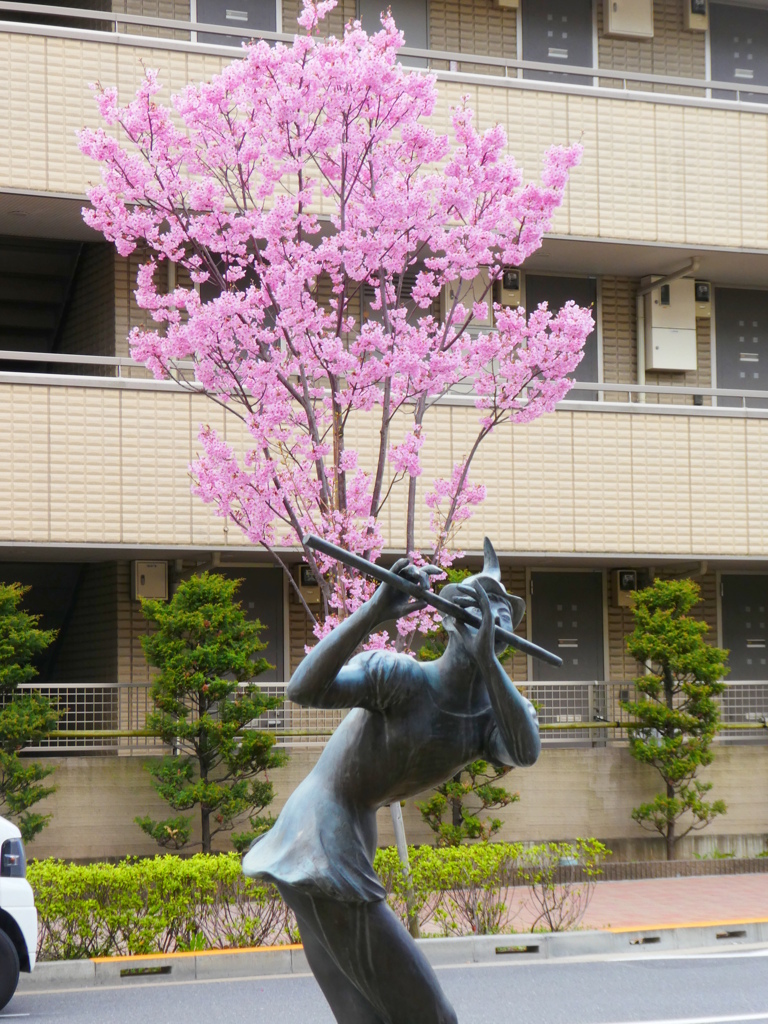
(415, 725)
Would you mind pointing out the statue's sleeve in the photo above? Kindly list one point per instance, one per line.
(495, 749)
(375, 680)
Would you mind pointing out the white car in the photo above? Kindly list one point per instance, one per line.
(18, 917)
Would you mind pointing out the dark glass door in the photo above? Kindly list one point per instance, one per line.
(567, 618)
(741, 340)
(558, 32)
(250, 14)
(556, 291)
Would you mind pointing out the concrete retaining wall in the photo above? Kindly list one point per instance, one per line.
(576, 792)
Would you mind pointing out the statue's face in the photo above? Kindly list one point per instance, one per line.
(502, 616)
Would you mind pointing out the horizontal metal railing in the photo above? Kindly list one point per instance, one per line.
(124, 372)
(111, 718)
(122, 28)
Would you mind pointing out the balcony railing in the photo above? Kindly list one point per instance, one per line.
(123, 372)
(172, 34)
(111, 718)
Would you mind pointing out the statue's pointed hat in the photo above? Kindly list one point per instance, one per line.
(490, 561)
(490, 579)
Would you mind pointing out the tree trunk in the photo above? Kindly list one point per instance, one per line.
(669, 696)
(396, 812)
(670, 826)
(456, 818)
(205, 825)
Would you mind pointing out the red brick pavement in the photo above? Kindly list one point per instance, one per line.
(671, 901)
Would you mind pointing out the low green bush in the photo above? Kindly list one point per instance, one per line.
(160, 905)
(167, 904)
(458, 890)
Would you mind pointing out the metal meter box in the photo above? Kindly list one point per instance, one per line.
(695, 15)
(670, 326)
(150, 580)
(629, 19)
(308, 586)
(703, 295)
(509, 289)
(507, 5)
(623, 583)
(476, 290)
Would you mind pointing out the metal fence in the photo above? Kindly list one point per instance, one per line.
(112, 718)
(84, 709)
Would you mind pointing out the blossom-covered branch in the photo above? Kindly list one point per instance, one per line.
(316, 219)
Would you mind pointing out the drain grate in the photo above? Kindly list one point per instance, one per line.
(144, 972)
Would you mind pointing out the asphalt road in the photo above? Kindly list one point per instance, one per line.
(720, 988)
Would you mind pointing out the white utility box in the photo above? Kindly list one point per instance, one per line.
(150, 580)
(507, 5)
(476, 290)
(629, 19)
(670, 326)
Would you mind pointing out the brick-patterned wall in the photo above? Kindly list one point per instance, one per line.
(89, 327)
(672, 51)
(299, 629)
(131, 626)
(332, 25)
(513, 579)
(174, 10)
(88, 652)
(620, 624)
(472, 26)
(619, 331)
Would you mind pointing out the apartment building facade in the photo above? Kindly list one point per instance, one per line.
(654, 465)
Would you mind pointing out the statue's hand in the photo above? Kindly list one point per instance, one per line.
(393, 604)
(479, 641)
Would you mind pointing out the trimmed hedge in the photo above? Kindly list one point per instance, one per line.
(159, 905)
(167, 904)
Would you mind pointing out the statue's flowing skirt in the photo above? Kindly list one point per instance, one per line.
(320, 846)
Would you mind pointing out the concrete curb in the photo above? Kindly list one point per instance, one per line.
(521, 947)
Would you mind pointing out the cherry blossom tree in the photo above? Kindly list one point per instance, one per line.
(336, 256)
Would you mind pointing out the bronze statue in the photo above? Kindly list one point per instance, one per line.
(415, 725)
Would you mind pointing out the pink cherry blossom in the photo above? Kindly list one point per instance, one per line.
(297, 325)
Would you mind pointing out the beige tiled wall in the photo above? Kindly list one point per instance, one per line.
(651, 171)
(92, 465)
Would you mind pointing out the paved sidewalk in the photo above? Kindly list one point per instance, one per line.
(652, 903)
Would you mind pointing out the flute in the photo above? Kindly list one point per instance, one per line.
(442, 604)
